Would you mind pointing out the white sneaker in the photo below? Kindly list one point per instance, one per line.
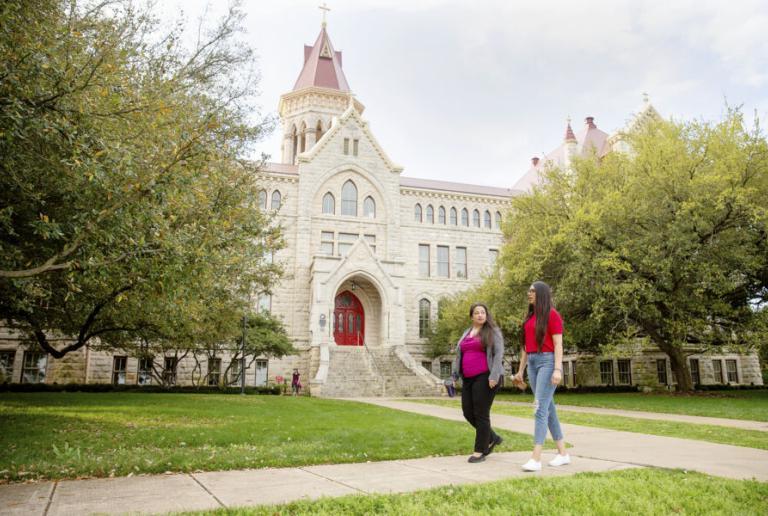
(560, 460)
(532, 465)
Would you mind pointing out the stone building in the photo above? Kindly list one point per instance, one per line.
(369, 254)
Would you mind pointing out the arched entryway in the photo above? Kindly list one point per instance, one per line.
(348, 320)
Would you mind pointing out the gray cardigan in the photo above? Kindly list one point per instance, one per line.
(494, 354)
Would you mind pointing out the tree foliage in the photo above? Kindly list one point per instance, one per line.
(666, 242)
(125, 213)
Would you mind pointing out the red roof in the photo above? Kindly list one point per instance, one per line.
(322, 66)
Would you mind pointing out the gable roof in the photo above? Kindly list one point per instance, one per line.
(322, 66)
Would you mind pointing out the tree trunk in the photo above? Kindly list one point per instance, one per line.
(679, 365)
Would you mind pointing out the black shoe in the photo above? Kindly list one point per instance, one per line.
(476, 458)
(491, 446)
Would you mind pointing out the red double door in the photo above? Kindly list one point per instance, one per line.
(348, 320)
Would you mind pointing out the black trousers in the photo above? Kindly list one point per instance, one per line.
(476, 400)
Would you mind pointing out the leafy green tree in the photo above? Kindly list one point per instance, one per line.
(125, 213)
(666, 242)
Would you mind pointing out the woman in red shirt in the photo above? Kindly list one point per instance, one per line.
(478, 363)
(543, 354)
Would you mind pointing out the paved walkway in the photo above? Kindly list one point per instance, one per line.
(659, 416)
(594, 450)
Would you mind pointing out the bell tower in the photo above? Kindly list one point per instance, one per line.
(320, 94)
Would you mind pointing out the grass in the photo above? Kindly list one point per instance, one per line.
(710, 433)
(750, 405)
(76, 435)
(637, 491)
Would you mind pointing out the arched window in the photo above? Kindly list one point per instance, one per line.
(454, 220)
(349, 199)
(476, 218)
(369, 208)
(487, 219)
(318, 131)
(329, 204)
(263, 199)
(464, 217)
(417, 212)
(425, 307)
(276, 200)
(303, 137)
(430, 214)
(441, 215)
(498, 220)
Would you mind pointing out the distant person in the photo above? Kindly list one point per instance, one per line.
(295, 383)
(450, 386)
(478, 363)
(542, 351)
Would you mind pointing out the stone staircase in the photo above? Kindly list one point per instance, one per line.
(357, 371)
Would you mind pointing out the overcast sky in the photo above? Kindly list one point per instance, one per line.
(470, 91)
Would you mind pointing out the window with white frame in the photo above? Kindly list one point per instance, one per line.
(625, 371)
(119, 367)
(6, 366)
(694, 366)
(263, 199)
(329, 204)
(476, 218)
(369, 208)
(453, 217)
(606, 372)
(234, 371)
(346, 241)
(169, 370)
(717, 368)
(441, 215)
(464, 217)
(214, 371)
(487, 219)
(33, 367)
(265, 302)
(276, 198)
(430, 214)
(461, 262)
(498, 220)
(371, 240)
(493, 255)
(417, 212)
(144, 376)
(661, 370)
(424, 260)
(349, 199)
(326, 242)
(443, 265)
(425, 308)
(732, 370)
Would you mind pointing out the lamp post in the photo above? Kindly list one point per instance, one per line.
(242, 365)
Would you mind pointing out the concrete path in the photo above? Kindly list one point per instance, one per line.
(626, 447)
(594, 449)
(213, 490)
(659, 416)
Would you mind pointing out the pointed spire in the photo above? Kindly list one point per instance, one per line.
(322, 66)
(569, 136)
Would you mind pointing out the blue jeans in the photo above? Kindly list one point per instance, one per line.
(540, 369)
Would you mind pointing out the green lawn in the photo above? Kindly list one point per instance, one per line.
(638, 491)
(710, 433)
(70, 435)
(752, 405)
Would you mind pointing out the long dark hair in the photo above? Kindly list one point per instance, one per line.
(486, 332)
(541, 310)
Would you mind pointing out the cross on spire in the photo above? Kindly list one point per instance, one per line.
(325, 9)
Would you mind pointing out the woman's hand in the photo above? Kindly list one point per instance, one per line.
(492, 383)
(557, 377)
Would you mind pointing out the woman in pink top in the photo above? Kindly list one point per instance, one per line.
(478, 363)
(543, 353)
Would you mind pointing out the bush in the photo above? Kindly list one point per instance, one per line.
(106, 387)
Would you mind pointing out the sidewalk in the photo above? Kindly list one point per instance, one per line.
(659, 416)
(593, 449)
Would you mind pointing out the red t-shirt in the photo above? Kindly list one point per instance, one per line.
(554, 327)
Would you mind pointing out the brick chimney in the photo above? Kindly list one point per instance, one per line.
(590, 121)
(535, 160)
